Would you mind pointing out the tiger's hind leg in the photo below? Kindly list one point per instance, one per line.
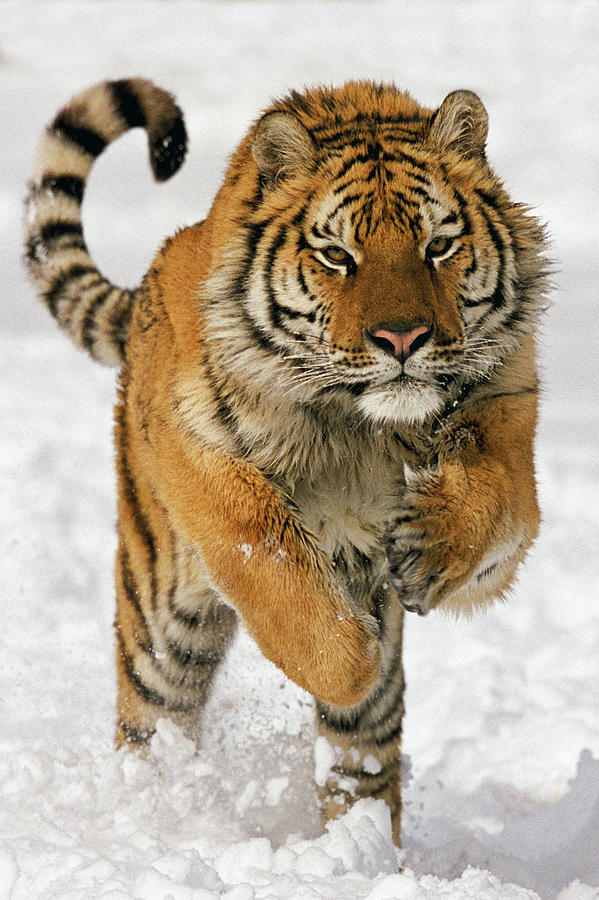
(168, 648)
(358, 749)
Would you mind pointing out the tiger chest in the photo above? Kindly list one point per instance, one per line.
(347, 506)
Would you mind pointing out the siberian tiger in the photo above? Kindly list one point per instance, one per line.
(327, 399)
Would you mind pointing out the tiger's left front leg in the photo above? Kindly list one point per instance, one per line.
(462, 528)
(358, 749)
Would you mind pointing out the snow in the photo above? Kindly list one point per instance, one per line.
(501, 796)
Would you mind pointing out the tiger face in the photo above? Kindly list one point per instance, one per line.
(379, 264)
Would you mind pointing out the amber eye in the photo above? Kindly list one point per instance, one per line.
(439, 246)
(337, 255)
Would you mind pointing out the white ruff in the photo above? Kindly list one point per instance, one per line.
(406, 403)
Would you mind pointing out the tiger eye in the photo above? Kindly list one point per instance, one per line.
(337, 255)
(439, 245)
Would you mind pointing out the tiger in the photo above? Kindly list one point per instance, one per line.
(327, 399)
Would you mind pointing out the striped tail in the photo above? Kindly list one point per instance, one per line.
(92, 310)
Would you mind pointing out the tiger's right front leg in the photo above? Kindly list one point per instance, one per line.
(258, 556)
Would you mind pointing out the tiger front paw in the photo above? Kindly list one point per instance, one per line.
(428, 550)
(329, 650)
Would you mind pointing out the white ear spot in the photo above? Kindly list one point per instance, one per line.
(282, 146)
(461, 123)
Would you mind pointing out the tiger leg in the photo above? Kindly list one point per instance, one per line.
(169, 643)
(358, 748)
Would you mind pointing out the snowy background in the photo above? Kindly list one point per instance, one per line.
(502, 728)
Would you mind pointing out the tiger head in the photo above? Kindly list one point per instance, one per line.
(376, 257)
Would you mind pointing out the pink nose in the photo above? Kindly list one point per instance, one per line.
(401, 343)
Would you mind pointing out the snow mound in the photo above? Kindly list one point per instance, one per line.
(118, 826)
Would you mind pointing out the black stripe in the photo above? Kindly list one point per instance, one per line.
(421, 192)
(195, 659)
(224, 412)
(345, 168)
(52, 231)
(192, 620)
(39, 245)
(520, 316)
(381, 788)
(345, 725)
(473, 265)
(69, 185)
(127, 104)
(274, 248)
(294, 314)
(375, 174)
(258, 336)
(371, 156)
(407, 211)
(300, 102)
(330, 104)
(402, 138)
(301, 279)
(448, 219)
(413, 161)
(391, 735)
(370, 225)
(492, 200)
(52, 295)
(421, 179)
(133, 735)
(356, 719)
(226, 415)
(357, 221)
(253, 235)
(116, 330)
(519, 393)
(132, 593)
(317, 233)
(300, 215)
(350, 198)
(88, 324)
(333, 152)
(140, 521)
(389, 679)
(147, 693)
(354, 772)
(463, 205)
(402, 200)
(497, 298)
(389, 710)
(364, 119)
(85, 138)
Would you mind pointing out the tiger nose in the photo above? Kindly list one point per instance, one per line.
(398, 341)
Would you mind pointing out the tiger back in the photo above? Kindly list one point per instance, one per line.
(327, 399)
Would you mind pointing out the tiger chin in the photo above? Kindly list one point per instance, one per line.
(327, 399)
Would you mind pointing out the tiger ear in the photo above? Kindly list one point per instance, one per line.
(282, 146)
(461, 123)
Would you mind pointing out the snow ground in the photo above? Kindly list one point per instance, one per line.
(502, 728)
